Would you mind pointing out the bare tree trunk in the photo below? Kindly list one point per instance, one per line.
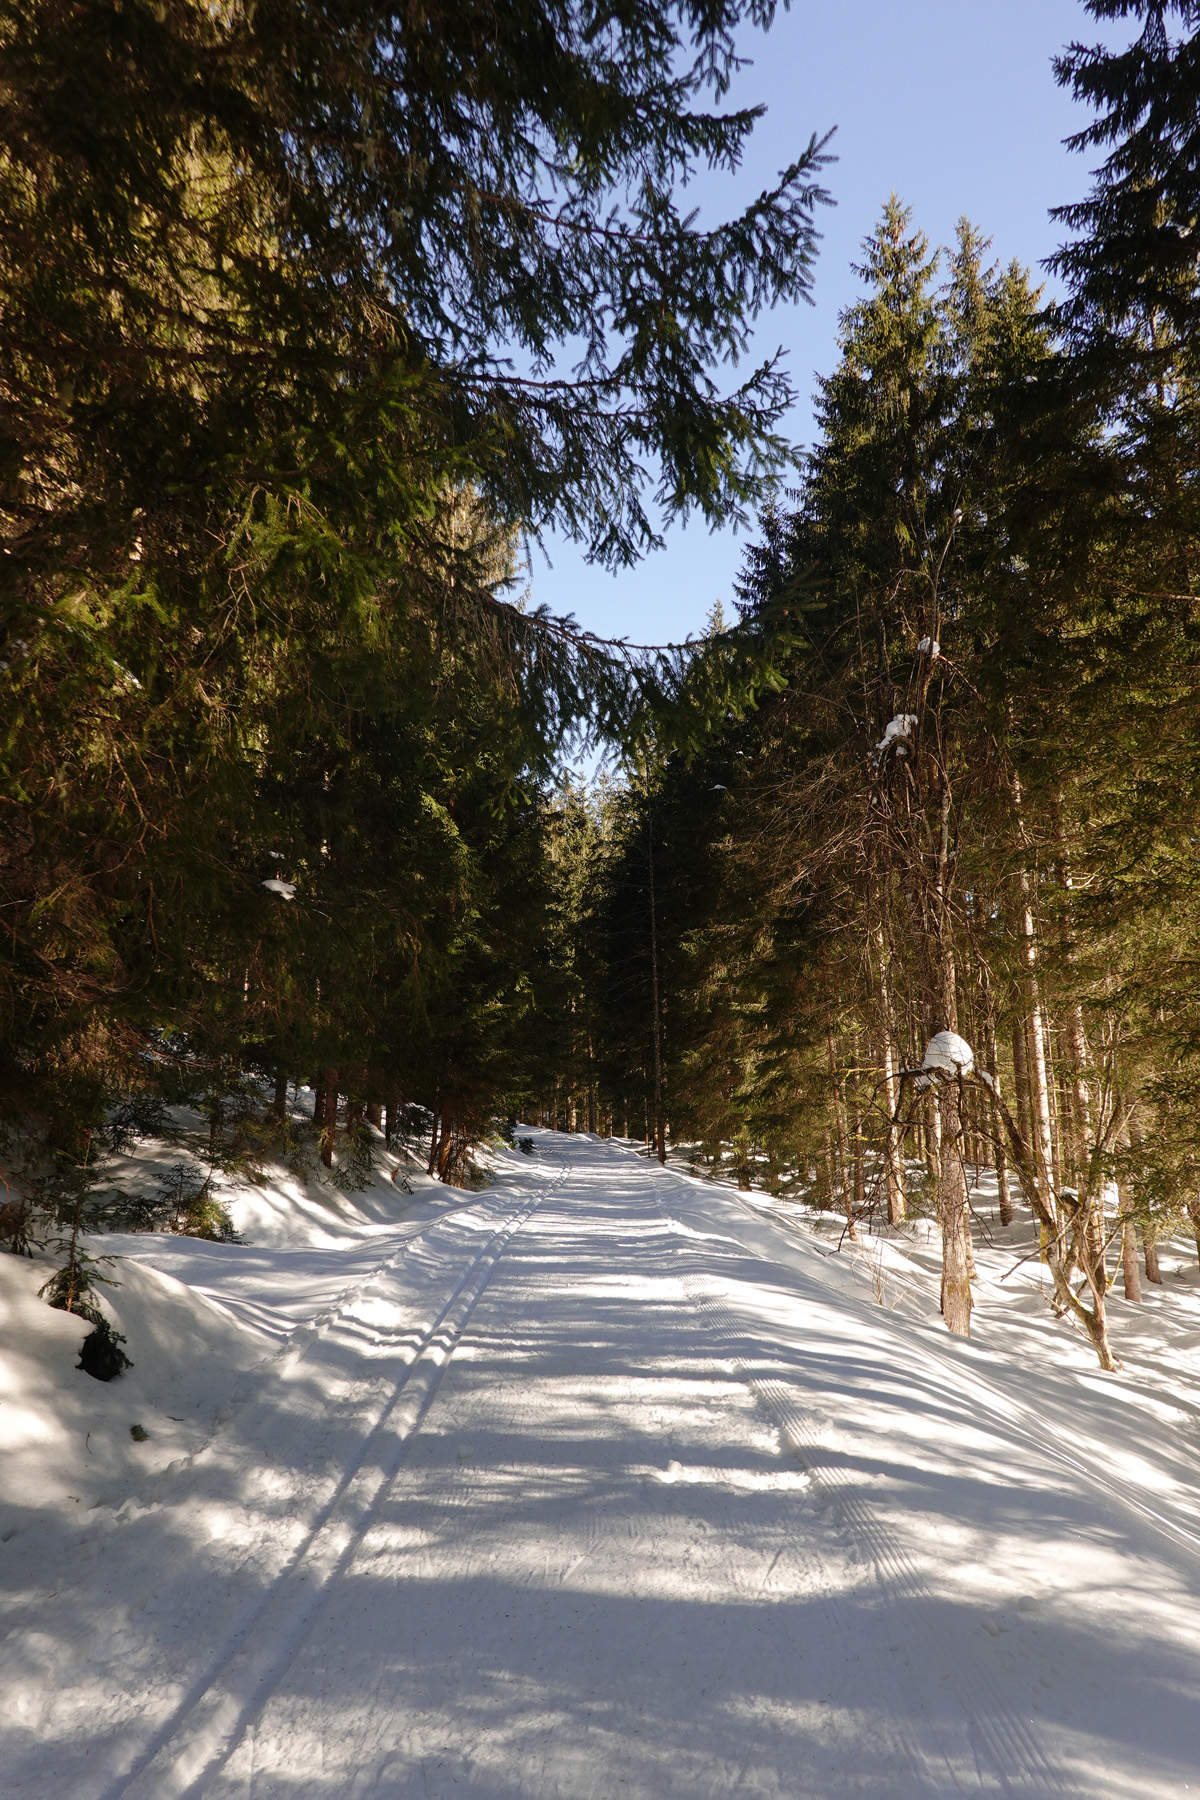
(1060, 1256)
(840, 1129)
(992, 1055)
(1130, 1273)
(444, 1149)
(660, 1144)
(956, 1218)
(1035, 1041)
(329, 1116)
(1021, 1080)
(279, 1104)
(434, 1132)
(1150, 1250)
(893, 1158)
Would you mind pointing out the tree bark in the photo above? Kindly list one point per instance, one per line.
(1150, 1251)
(956, 1216)
(329, 1115)
(1000, 1154)
(660, 1143)
(893, 1159)
(1130, 1273)
(434, 1133)
(843, 1187)
(1194, 1216)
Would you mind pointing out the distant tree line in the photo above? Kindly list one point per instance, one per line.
(967, 812)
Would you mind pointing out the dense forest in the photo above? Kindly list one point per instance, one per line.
(893, 877)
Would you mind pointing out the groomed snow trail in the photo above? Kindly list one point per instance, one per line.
(601, 1487)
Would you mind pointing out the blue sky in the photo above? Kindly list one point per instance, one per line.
(950, 102)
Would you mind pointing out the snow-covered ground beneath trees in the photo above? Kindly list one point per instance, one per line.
(603, 1481)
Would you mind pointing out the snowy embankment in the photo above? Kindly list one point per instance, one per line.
(603, 1481)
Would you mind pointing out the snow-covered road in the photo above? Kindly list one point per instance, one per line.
(601, 1485)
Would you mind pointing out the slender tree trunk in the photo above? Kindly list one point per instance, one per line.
(1039, 1089)
(1021, 1081)
(1150, 1251)
(329, 1116)
(659, 1135)
(279, 1104)
(434, 1134)
(892, 1151)
(840, 1129)
(1000, 1154)
(1130, 1273)
(444, 1150)
(956, 1217)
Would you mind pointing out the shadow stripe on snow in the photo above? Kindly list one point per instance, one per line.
(212, 1719)
(1018, 1763)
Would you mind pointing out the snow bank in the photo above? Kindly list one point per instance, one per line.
(204, 1324)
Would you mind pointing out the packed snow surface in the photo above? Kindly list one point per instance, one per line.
(600, 1482)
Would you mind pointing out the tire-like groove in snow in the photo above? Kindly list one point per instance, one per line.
(1004, 1747)
(212, 1719)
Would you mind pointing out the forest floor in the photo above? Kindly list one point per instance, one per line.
(601, 1481)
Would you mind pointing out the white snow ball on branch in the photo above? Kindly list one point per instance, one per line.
(930, 647)
(285, 889)
(897, 729)
(948, 1052)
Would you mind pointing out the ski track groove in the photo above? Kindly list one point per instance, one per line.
(1017, 1415)
(1017, 1763)
(214, 1715)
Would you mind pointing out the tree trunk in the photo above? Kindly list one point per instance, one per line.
(1150, 1248)
(329, 1115)
(893, 1159)
(955, 1216)
(660, 1143)
(434, 1133)
(279, 1105)
(1131, 1274)
(840, 1128)
(1021, 1080)
(1000, 1154)
(444, 1150)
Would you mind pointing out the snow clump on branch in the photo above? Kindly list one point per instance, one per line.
(898, 731)
(285, 889)
(930, 647)
(949, 1054)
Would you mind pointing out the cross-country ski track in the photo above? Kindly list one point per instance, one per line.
(600, 1482)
